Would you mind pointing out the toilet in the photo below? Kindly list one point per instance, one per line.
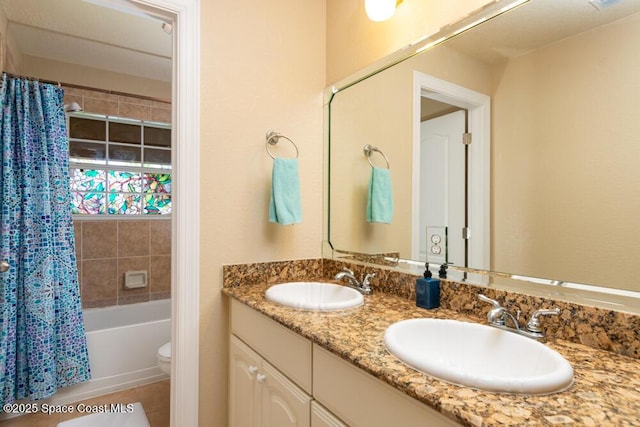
(164, 358)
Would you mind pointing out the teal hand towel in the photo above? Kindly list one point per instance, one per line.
(284, 204)
(380, 201)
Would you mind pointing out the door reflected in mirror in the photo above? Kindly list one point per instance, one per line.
(441, 189)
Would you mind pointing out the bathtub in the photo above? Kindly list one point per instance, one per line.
(122, 343)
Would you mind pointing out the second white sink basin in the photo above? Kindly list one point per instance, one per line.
(478, 356)
(314, 296)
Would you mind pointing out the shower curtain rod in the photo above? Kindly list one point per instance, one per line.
(75, 86)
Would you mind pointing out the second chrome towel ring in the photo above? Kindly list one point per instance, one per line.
(369, 149)
(272, 139)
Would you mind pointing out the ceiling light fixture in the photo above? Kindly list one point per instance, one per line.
(380, 10)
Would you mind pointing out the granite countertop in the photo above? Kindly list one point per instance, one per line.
(606, 389)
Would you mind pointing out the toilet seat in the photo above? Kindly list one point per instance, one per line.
(164, 352)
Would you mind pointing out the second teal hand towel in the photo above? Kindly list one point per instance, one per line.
(380, 200)
(284, 203)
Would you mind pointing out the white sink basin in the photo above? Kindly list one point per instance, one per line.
(478, 356)
(314, 296)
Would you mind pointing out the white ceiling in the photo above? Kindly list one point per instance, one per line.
(81, 32)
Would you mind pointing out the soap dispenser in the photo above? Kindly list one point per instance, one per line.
(427, 290)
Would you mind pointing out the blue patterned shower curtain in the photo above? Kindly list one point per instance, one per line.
(42, 340)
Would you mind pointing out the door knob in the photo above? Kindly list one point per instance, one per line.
(4, 266)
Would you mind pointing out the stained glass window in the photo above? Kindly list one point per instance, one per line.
(124, 203)
(120, 174)
(157, 204)
(157, 183)
(125, 182)
(88, 203)
(88, 180)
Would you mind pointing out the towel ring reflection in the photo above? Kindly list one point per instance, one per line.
(369, 149)
(272, 139)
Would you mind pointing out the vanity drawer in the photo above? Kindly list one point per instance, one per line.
(360, 399)
(284, 349)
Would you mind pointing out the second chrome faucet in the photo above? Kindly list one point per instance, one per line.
(364, 287)
(498, 317)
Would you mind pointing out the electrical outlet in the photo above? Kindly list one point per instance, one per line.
(437, 245)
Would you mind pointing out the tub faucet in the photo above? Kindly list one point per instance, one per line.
(363, 287)
(498, 317)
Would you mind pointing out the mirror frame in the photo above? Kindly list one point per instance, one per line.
(628, 301)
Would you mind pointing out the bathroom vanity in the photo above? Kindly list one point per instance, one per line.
(335, 370)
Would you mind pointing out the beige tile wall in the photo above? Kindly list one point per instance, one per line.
(106, 250)
(99, 102)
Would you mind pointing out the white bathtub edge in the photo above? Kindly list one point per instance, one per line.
(107, 385)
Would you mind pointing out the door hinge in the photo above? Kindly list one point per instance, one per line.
(466, 233)
(466, 138)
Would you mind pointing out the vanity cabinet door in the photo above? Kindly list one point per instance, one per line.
(261, 396)
(283, 403)
(244, 390)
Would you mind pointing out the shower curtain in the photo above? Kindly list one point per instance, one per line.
(42, 340)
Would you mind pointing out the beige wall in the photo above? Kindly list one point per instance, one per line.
(262, 69)
(562, 178)
(10, 56)
(353, 41)
(3, 34)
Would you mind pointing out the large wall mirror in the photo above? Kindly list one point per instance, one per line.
(549, 186)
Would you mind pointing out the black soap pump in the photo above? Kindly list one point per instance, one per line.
(427, 290)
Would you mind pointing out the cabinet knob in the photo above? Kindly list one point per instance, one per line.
(4, 266)
(261, 377)
(253, 369)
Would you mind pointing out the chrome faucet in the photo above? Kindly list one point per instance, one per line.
(534, 325)
(364, 287)
(498, 316)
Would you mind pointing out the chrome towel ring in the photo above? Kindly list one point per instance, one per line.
(272, 139)
(369, 149)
